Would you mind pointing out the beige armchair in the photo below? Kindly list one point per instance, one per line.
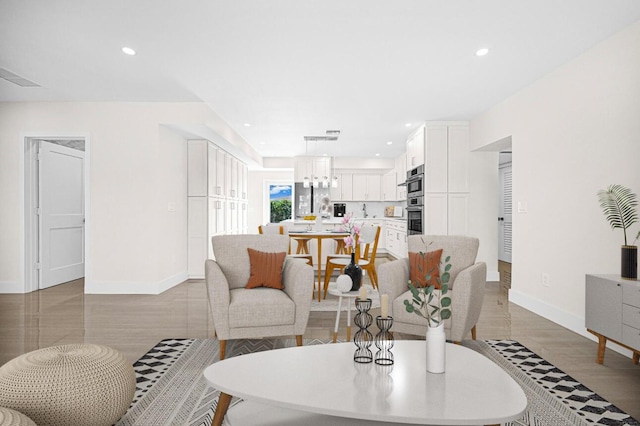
(467, 284)
(240, 313)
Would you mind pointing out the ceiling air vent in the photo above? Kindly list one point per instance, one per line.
(333, 132)
(16, 79)
(320, 138)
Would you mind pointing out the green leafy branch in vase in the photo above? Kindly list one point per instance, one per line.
(429, 302)
(619, 206)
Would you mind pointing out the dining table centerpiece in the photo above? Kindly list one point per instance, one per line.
(430, 300)
(353, 270)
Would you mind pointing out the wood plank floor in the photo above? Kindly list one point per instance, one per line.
(132, 324)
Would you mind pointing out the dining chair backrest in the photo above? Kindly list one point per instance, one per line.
(369, 236)
(271, 229)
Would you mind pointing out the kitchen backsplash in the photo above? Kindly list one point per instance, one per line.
(374, 209)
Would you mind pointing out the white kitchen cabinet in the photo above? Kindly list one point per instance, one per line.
(458, 159)
(436, 165)
(211, 208)
(245, 182)
(205, 219)
(197, 170)
(396, 238)
(435, 214)
(457, 213)
(219, 190)
(366, 187)
(389, 187)
(415, 148)
(401, 177)
(314, 168)
(344, 190)
(446, 197)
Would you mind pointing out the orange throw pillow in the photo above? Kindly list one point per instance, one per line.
(266, 269)
(420, 266)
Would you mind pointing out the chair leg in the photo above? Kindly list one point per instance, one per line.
(299, 340)
(473, 332)
(223, 348)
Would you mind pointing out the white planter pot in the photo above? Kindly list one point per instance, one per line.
(436, 346)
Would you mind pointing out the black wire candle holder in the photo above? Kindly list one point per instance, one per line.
(384, 341)
(363, 337)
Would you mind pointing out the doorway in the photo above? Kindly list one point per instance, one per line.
(55, 210)
(505, 218)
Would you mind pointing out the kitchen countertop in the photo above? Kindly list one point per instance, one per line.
(338, 220)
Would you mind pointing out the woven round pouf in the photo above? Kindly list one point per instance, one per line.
(78, 384)
(9, 417)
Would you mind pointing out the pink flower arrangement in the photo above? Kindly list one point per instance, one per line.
(349, 225)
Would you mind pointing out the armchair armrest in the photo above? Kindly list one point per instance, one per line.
(467, 298)
(393, 278)
(298, 280)
(219, 298)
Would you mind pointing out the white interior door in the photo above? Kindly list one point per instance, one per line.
(505, 226)
(61, 203)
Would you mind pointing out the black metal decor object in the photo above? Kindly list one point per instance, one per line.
(363, 337)
(629, 262)
(384, 341)
(354, 271)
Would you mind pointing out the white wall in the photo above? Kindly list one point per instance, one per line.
(136, 167)
(575, 131)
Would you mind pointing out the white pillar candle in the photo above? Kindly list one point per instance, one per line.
(384, 306)
(363, 293)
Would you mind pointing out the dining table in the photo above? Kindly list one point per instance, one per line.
(319, 236)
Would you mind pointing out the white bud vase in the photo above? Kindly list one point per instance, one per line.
(436, 346)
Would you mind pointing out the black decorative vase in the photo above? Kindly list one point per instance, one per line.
(354, 271)
(629, 263)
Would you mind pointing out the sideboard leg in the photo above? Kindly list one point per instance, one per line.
(602, 345)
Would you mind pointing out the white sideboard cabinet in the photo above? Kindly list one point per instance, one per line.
(612, 312)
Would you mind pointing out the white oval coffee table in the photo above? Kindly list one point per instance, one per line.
(321, 384)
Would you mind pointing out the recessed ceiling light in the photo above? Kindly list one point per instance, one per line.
(389, 143)
(262, 143)
(247, 124)
(407, 125)
(482, 52)
(129, 51)
(377, 154)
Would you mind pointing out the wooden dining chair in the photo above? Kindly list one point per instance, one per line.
(279, 229)
(365, 255)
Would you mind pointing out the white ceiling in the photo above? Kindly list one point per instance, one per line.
(293, 68)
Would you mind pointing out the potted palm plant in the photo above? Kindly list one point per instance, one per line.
(619, 206)
(433, 304)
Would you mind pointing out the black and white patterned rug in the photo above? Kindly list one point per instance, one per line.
(172, 391)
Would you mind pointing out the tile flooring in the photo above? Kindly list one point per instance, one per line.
(133, 324)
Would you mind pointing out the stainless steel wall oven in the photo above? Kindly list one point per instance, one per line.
(415, 200)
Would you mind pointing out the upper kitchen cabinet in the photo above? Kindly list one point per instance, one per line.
(458, 158)
(314, 168)
(197, 171)
(366, 187)
(435, 174)
(401, 176)
(415, 148)
(344, 190)
(389, 187)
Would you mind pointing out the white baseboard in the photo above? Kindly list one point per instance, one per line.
(493, 276)
(12, 287)
(560, 317)
(128, 287)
